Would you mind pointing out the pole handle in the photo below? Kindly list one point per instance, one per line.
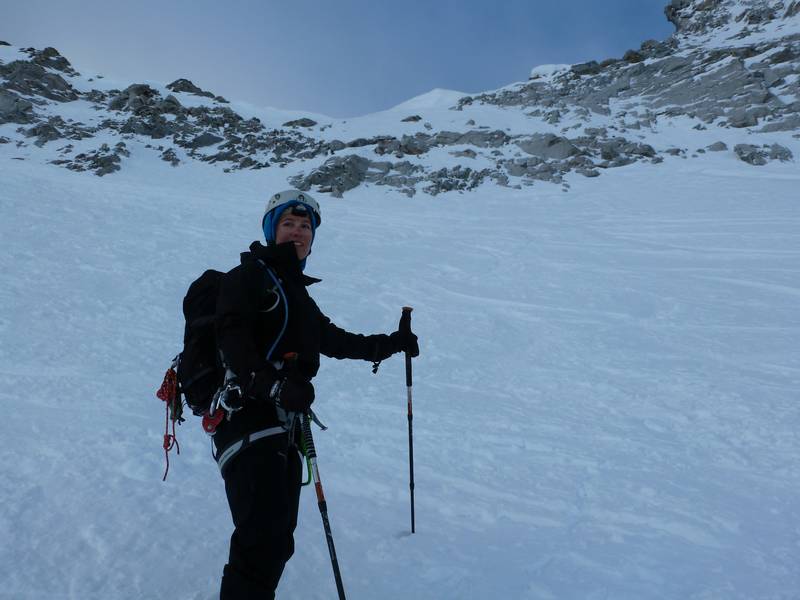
(406, 315)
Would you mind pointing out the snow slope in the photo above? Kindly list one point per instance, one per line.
(605, 404)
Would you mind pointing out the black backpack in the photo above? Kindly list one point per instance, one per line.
(199, 368)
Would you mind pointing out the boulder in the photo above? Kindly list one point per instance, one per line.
(548, 145)
(304, 122)
(632, 56)
(588, 68)
(44, 133)
(717, 147)
(51, 59)
(336, 175)
(781, 153)
(133, 98)
(203, 140)
(412, 119)
(34, 80)
(169, 105)
(790, 123)
(184, 85)
(14, 109)
(750, 154)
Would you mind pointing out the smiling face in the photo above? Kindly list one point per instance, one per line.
(296, 229)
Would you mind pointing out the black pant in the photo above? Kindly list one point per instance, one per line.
(263, 488)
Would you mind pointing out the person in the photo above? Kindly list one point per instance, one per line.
(264, 311)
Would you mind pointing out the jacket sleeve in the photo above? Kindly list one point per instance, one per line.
(237, 307)
(335, 342)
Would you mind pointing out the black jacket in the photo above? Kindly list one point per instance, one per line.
(252, 313)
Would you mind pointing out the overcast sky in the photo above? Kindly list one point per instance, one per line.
(337, 57)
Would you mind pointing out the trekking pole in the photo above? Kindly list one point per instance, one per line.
(407, 311)
(311, 453)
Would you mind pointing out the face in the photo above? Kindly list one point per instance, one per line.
(296, 229)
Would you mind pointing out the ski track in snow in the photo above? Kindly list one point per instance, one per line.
(605, 405)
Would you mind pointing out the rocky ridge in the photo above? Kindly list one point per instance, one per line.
(731, 67)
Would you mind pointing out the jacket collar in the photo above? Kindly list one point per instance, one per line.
(282, 258)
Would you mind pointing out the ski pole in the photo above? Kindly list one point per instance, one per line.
(407, 314)
(311, 453)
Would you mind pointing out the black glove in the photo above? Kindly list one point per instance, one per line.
(293, 394)
(404, 339)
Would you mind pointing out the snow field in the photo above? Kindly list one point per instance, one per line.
(605, 404)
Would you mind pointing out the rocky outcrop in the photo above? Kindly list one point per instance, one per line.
(714, 72)
(14, 109)
(184, 85)
(304, 122)
(31, 79)
(757, 156)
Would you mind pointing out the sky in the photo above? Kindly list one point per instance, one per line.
(342, 59)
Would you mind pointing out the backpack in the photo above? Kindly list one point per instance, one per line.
(199, 369)
(197, 373)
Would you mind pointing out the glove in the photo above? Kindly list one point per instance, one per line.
(293, 394)
(404, 339)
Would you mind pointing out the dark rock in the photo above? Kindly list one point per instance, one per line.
(335, 146)
(361, 142)
(632, 56)
(717, 147)
(412, 119)
(587, 68)
(154, 126)
(170, 105)
(304, 122)
(2, 43)
(184, 85)
(203, 140)
(781, 153)
(792, 10)
(133, 98)
(44, 133)
(96, 96)
(482, 139)
(14, 109)
(51, 59)
(32, 79)
(102, 161)
(750, 154)
(742, 117)
(784, 55)
(455, 179)
(588, 172)
(121, 149)
(548, 145)
(337, 175)
(790, 123)
(170, 156)
(465, 153)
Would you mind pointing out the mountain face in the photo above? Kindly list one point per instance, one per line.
(726, 80)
